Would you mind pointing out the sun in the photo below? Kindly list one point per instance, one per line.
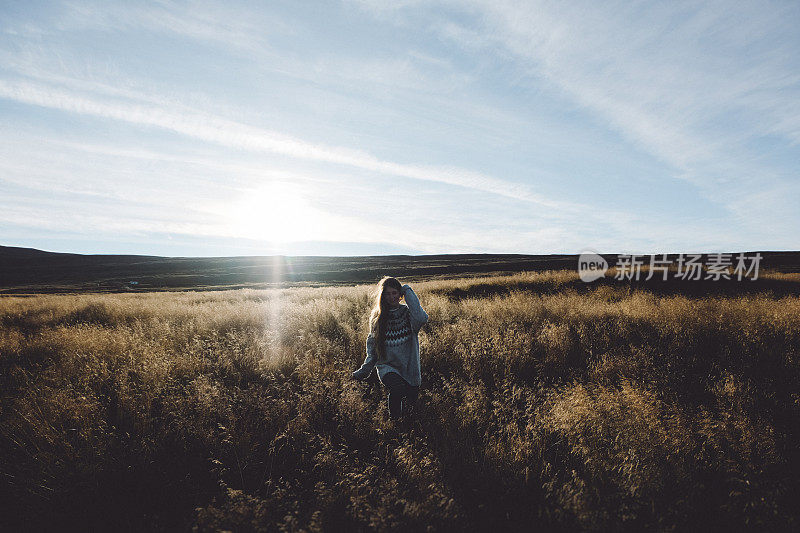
(276, 212)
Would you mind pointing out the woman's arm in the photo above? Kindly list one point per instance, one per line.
(369, 362)
(418, 315)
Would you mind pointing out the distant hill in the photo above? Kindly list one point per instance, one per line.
(25, 270)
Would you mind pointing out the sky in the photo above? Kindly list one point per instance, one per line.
(399, 127)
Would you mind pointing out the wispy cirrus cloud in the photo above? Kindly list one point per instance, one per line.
(666, 75)
(245, 27)
(702, 87)
(211, 128)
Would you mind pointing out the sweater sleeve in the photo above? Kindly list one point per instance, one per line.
(369, 362)
(418, 315)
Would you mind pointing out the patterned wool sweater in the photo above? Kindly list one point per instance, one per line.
(402, 343)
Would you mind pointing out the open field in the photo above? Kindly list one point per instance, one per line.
(545, 402)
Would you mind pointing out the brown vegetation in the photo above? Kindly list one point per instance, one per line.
(544, 402)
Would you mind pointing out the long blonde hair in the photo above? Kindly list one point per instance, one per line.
(378, 316)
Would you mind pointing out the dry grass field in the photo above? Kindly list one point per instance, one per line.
(546, 403)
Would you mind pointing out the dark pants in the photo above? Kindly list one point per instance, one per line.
(402, 396)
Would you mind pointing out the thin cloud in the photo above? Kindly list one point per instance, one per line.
(243, 29)
(695, 86)
(663, 75)
(233, 134)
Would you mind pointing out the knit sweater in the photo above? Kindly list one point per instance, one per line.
(402, 343)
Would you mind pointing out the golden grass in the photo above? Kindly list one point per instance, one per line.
(545, 402)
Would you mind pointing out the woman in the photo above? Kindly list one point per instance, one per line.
(393, 344)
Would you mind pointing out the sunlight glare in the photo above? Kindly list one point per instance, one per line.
(276, 213)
